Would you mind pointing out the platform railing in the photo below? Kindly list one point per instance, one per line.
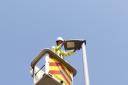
(44, 70)
(49, 52)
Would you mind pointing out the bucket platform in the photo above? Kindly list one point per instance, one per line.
(55, 70)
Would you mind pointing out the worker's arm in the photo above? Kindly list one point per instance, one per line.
(58, 47)
(63, 53)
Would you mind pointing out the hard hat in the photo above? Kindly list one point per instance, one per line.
(60, 39)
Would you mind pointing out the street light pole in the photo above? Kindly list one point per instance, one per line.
(85, 64)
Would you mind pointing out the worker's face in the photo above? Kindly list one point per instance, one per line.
(59, 42)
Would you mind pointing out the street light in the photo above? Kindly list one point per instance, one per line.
(77, 45)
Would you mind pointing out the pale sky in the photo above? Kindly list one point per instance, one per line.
(28, 26)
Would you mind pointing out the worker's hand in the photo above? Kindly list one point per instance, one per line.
(62, 43)
(74, 50)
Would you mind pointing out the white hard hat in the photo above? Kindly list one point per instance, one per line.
(60, 38)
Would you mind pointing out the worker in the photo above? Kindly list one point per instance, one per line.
(57, 50)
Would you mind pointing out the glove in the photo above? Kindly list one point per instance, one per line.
(74, 50)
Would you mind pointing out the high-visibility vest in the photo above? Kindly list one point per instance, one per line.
(57, 50)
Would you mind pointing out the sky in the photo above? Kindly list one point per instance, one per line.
(28, 26)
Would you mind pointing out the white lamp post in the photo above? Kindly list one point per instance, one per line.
(85, 64)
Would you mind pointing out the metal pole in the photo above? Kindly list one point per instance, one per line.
(85, 64)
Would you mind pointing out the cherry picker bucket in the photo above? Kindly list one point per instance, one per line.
(56, 71)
